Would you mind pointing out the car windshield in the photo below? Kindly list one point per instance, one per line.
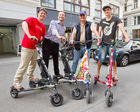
(120, 44)
(128, 45)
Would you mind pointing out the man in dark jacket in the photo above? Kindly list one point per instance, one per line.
(83, 33)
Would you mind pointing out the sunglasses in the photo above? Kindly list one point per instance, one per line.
(82, 15)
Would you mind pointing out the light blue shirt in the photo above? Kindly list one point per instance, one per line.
(55, 28)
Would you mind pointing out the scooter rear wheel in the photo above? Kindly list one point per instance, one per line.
(14, 93)
(56, 99)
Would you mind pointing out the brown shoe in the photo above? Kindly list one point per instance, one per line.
(96, 77)
(115, 81)
(18, 86)
(34, 79)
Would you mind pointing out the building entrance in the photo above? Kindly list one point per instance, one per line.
(6, 40)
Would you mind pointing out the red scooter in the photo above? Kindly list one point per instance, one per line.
(109, 83)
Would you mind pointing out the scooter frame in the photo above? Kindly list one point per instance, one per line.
(108, 93)
(76, 92)
(56, 98)
(87, 90)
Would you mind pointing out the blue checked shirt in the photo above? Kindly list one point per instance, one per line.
(55, 28)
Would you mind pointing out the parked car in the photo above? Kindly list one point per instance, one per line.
(93, 48)
(70, 51)
(125, 53)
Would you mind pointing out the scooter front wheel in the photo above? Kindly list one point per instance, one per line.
(77, 93)
(109, 98)
(88, 97)
(56, 99)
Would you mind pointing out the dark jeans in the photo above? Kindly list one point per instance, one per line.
(51, 48)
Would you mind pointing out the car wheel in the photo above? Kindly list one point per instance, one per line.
(124, 60)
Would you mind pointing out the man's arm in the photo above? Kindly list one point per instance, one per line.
(55, 32)
(94, 30)
(26, 30)
(123, 32)
(96, 33)
(73, 35)
(99, 39)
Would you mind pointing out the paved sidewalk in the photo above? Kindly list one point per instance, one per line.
(9, 58)
(126, 93)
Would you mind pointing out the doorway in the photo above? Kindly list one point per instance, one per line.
(6, 40)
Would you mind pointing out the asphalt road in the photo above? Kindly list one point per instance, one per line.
(126, 93)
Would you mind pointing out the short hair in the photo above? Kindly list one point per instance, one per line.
(63, 12)
(40, 9)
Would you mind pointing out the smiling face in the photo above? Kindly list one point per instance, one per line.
(107, 11)
(41, 15)
(83, 17)
(61, 16)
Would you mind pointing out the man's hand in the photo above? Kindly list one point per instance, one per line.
(33, 38)
(42, 38)
(71, 42)
(99, 41)
(127, 40)
(62, 38)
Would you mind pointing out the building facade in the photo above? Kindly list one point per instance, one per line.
(13, 12)
(132, 18)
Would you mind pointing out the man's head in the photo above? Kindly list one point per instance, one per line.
(83, 16)
(41, 14)
(107, 10)
(61, 16)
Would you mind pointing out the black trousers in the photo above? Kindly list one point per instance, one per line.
(51, 48)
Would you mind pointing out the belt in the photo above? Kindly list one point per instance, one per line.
(82, 44)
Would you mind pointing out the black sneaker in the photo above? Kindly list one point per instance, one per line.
(71, 77)
(59, 76)
(67, 75)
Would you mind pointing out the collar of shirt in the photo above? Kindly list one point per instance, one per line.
(59, 22)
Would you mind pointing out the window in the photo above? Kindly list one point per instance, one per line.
(135, 20)
(138, 19)
(136, 33)
(125, 7)
(135, 4)
(115, 10)
(77, 5)
(137, 44)
(98, 9)
(125, 22)
(68, 7)
(48, 3)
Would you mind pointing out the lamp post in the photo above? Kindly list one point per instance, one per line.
(71, 16)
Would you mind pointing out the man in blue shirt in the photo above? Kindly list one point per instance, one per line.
(53, 38)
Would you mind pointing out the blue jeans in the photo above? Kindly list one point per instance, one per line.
(106, 50)
(77, 55)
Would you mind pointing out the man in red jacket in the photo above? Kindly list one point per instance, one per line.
(34, 29)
